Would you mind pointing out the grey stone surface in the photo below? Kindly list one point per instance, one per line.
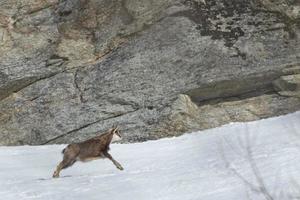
(289, 84)
(71, 69)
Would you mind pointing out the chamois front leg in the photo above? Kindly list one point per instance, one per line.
(118, 165)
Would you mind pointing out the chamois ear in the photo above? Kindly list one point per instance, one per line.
(115, 130)
(112, 130)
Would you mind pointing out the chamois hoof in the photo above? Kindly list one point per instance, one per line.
(55, 175)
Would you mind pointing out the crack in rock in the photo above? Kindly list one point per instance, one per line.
(85, 126)
(78, 87)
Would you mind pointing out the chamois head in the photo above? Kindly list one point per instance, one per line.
(116, 134)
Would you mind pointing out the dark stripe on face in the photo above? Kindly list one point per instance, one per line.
(117, 132)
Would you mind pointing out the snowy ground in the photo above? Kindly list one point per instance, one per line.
(256, 160)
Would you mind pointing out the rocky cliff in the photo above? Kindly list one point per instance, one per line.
(72, 68)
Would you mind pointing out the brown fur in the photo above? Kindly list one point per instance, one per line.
(94, 148)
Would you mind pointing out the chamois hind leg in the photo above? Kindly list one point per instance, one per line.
(70, 155)
(118, 165)
(62, 165)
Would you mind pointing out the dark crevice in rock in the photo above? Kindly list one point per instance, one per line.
(78, 87)
(241, 96)
(56, 57)
(40, 9)
(83, 127)
(150, 107)
(64, 13)
(34, 98)
(56, 60)
(19, 85)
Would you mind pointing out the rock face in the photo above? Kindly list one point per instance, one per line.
(70, 69)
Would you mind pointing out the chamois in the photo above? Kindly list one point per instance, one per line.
(91, 149)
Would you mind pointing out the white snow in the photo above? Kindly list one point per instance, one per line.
(255, 160)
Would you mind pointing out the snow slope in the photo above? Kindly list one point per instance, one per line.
(256, 160)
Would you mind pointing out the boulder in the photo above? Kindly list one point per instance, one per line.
(71, 69)
(288, 85)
